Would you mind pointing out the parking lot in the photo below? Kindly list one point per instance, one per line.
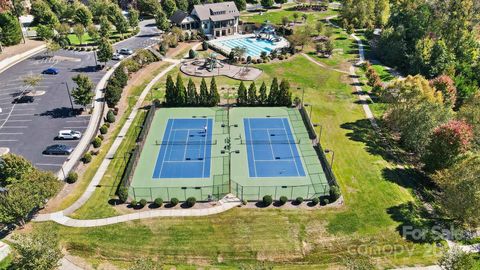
(28, 128)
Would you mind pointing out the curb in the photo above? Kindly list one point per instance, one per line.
(11, 61)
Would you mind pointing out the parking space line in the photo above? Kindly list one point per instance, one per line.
(14, 127)
(74, 127)
(30, 120)
(48, 164)
(11, 133)
(55, 156)
(8, 140)
(22, 114)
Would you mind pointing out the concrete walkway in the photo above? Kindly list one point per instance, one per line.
(15, 54)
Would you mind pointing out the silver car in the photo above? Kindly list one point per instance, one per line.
(68, 134)
(125, 51)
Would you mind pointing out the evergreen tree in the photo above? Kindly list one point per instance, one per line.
(273, 94)
(182, 4)
(262, 96)
(284, 94)
(192, 96)
(242, 94)
(181, 91)
(214, 97)
(252, 94)
(10, 31)
(170, 92)
(161, 21)
(203, 98)
(169, 7)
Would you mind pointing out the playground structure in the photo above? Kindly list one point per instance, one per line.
(267, 32)
(211, 62)
(212, 66)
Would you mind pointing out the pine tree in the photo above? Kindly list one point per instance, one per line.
(284, 94)
(181, 91)
(214, 97)
(242, 94)
(192, 96)
(170, 92)
(203, 98)
(252, 94)
(262, 96)
(273, 94)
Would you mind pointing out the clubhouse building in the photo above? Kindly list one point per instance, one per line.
(216, 20)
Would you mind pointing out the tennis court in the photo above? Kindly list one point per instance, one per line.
(271, 148)
(185, 149)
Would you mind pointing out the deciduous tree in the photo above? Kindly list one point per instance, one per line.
(83, 93)
(105, 51)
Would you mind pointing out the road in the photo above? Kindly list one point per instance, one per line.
(27, 129)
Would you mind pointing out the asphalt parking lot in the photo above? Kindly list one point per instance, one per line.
(28, 128)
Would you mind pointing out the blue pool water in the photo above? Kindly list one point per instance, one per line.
(254, 46)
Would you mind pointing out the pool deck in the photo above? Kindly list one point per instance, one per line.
(197, 69)
(215, 43)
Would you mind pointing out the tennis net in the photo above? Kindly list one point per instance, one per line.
(213, 142)
(292, 141)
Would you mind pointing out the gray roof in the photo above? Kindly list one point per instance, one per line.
(205, 12)
(178, 16)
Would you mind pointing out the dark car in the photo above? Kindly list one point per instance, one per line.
(23, 99)
(58, 149)
(51, 71)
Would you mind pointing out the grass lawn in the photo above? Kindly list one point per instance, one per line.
(275, 16)
(87, 40)
(371, 186)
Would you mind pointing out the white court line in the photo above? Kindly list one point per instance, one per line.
(251, 147)
(185, 161)
(186, 146)
(165, 153)
(205, 147)
(291, 150)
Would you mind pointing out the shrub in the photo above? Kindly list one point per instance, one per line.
(107, 124)
(280, 57)
(142, 203)
(259, 61)
(192, 54)
(283, 200)
(325, 201)
(122, 194)
(174, 201)
(97, 142)
(191, 201)
(101, 137)
(158, 202)
(103, 129)
(72, 177)
(87, 158)
(267, 200)
(299, 200)
(249, 59)
(157, 102)
(110, 117)
(315, 201)
(244, 202)
(204, 45)
(133, 203)
(334, 193)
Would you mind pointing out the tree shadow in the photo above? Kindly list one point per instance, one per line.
(362, 131)
(86, 69)
(413, 179)
(63, 112)
(416, 223)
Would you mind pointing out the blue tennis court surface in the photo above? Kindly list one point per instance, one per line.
(271, 148)
(185, 150)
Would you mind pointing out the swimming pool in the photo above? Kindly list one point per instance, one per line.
(254, 46)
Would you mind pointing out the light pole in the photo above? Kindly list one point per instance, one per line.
(327, 151)
(310, 113)
(320, 131)
(69, 97)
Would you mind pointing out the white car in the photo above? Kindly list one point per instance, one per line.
(69, 135)
(125, 51)
(117, 56)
